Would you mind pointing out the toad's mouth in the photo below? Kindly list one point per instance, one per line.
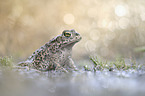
(71, 44)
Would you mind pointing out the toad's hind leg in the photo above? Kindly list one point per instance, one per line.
(41, 66)
(41, 61)
(50, 66)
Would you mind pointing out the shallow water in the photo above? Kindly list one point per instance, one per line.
(21, 82)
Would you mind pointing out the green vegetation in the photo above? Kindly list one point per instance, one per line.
(87, 68)
(140, 49)
(6, 62)
(118, 64)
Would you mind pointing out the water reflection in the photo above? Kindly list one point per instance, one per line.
(81, 83)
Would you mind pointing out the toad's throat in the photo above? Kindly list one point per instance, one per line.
(69, 45)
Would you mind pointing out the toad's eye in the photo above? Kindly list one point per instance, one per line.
(67, 34)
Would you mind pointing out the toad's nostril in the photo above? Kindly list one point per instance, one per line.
(77, 34)
(72, 30)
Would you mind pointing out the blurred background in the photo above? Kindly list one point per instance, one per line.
(109, 28)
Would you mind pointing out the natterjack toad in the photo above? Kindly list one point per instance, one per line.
(55, 54)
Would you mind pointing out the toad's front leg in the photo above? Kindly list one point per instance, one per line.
(57, 67)
(71, 64)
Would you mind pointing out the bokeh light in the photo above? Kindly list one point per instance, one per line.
(120, 10)
(123, 22)
(68, 18)
(90, 46)
(143, 16)
(92, 12)
(95, 35)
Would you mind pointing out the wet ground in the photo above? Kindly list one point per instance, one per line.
(21, 82)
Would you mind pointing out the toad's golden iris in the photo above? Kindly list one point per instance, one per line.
(67, 34)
